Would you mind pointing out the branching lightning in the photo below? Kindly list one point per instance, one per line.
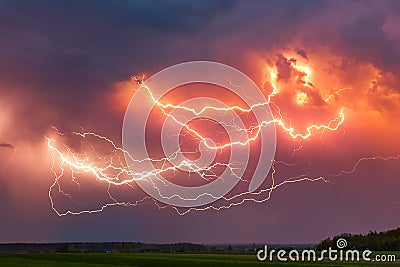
(111, 169)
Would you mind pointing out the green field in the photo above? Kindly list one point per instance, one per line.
(156, 259)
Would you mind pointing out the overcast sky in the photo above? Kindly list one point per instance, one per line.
(68, 64)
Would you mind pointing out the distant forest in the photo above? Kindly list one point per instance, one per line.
(383, 241)
(94, 247)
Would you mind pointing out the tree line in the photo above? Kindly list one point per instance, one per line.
(382, 241)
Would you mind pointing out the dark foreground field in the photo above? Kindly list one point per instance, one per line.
(154, 260)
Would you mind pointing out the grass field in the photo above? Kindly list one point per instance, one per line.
(157, 259)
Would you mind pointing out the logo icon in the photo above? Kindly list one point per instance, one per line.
(341, 243)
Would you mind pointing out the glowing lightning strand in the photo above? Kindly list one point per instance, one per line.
(76, 163)
(258, 128)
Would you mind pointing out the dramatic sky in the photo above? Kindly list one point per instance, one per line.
(68, 64)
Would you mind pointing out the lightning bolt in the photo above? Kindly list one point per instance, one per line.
(9, 161)
(257, 129)
(364, 159)
(334, 95)
(112, 170)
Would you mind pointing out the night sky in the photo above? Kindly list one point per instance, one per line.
(68, 65)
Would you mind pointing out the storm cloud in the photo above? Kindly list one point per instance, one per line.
(61, 61)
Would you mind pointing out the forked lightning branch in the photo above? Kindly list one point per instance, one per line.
(133, 164)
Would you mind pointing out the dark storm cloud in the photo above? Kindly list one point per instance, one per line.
(366, 39)
(284, 68)
(6, 145)
(165, 16)
(79, 42)
(302, 53)
(58, 57)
